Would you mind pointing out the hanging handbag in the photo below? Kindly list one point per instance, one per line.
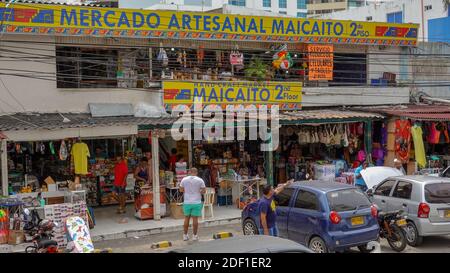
(236, 58)
(321, 135)
(307, 136)
(344, 141)
(302, 137)
(338, 135)
(332, 129)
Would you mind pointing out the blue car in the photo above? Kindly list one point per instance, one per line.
(325, 216)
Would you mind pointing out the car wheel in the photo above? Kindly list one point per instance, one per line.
(363, 249)
(318, 245)
(412, 235)
(249, 227)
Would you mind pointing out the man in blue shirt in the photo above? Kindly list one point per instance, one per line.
(359, 182)
(267, 207)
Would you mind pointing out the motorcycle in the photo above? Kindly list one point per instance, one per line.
(392, 226)
(42, 238)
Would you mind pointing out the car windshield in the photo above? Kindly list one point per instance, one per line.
(348, 199)
(437, 193)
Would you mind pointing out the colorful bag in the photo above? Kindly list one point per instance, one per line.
(361, 156)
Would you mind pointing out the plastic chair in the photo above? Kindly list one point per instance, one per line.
(209, 196)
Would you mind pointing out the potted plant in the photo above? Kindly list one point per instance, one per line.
(257, 70)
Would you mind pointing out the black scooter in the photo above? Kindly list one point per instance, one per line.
(392, 226)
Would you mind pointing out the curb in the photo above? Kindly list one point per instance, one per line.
(160, 230)
(222, 235)
(163, 244)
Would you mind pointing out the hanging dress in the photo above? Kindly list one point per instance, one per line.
(402, 139)
(416, 132)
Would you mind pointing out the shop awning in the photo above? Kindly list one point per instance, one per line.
(417, 112)
(52, 126)
(325, 116)
(52, 121)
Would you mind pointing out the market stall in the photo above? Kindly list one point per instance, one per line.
(324, 145)
(418, 136)
(234, 168)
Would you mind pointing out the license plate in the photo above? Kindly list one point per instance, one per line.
(447, 213)
(401, 222)
(357, 221)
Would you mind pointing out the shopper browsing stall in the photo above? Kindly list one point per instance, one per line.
(142, 172)
(120, 183)
(398, 165)
(360, 183)
(193, 187)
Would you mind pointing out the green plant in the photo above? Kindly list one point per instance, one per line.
(256, 70)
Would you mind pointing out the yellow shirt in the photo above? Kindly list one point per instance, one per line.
(80, 153)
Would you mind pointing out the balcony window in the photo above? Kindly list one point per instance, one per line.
(301, 4)
(239, 3)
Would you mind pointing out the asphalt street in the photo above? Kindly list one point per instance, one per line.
(437, 244)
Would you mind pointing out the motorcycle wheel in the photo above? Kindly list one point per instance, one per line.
(31, 249)
(397, 241)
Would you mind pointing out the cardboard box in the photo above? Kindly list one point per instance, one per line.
(51, 184)
(176, 210)
(15, 237)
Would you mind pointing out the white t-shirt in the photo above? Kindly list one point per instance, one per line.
(192, 186)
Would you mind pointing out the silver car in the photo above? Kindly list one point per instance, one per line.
(425, 200)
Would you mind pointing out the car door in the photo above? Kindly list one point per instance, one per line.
(381, 194)
(401, 197)
(282, 201)
(304, 216)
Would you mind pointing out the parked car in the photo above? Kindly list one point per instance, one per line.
(324, 216)
(425, 200)
(246, 244)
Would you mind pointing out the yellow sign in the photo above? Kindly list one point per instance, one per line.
(95, 21)
(320, 62)
(288, 95)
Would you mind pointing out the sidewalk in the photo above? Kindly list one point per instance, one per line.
(108, 224)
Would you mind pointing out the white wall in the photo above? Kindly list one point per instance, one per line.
(291, 9)
(411, 11)
(42, 95)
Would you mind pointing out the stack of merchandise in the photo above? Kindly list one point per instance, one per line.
(4, 226)
(180, 171)
(59, 213)
(325, 172)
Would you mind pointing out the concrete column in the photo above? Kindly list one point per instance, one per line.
(155, 167)
(389, 158)
(268, 160)
(4, 162)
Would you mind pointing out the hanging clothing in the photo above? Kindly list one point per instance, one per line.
(402, 139)
(433, 134)
(384, 134)
(443, 132)
(416, 132)
(80, 153)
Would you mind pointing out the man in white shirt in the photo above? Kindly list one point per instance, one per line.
(193, 187)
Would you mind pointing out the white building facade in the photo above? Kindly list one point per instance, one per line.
(292, 8)
(432, 16)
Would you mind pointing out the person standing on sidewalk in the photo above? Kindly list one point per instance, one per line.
(359, 182)
(267, 208)
(193, 187)
(120, 183)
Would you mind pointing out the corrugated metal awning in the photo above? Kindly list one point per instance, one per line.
(417, 112)
(54, 121)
